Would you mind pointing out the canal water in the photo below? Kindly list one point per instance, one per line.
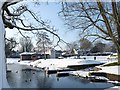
(19, 78)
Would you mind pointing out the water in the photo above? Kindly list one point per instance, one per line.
(39, 79)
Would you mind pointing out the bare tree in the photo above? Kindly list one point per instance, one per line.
(85, 44)
(72, 45)
(17, 14)
(43, 42)
(10, 44)
(97, 19)
(26, 44)
(98, 47)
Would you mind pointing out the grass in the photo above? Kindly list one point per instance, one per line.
(113, 64)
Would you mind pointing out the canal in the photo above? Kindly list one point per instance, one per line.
(19, 78)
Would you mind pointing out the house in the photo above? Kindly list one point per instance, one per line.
(56, 53)
(70, 53)
(33, 56)
(28, 56)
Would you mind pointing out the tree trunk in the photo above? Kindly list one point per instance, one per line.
(118, 42)
(116, 16)
(3, 79)
(118, 50)
(119, 57)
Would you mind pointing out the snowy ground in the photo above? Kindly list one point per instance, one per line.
(107, 69)
(62, 63)
(113, 88)
(56, 64)
(110, 69)
(80, 73)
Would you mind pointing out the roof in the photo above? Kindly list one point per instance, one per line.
(27, 53)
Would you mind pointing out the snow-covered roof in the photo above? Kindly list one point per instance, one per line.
(27, 53)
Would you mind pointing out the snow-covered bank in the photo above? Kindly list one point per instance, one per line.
(64, 63)
(113, 88)
(102, 59)
(58, 63)
(80, 73)
(12, 60)
(110, 70)
(108, 74)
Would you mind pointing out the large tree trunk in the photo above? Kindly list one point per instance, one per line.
(118, 43)
(119, 57)
(118, 47)
(116, 16)
(3, 79)
(118, 50)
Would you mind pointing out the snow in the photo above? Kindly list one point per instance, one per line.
(27, 53)
(24, 62)
(35, 63)
(113, 88)
(97, 57)
(80, 73)
(3, 80)
(56, 64)
(41, 63)
(101, 78)
(12, 60)
(62, 63)
(110, 69)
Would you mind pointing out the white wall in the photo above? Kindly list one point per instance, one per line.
(52, 53)
(3, 80)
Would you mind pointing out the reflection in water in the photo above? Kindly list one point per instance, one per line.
(39, 79)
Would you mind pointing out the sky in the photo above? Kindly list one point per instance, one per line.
(50, 12)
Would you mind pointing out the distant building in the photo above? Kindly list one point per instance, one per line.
(69, 53)
(28, 56)
(47, 54)
(43, 54)
(33, 56)
(56, 53)
(50, 52)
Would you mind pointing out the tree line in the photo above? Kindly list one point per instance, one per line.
(44, 42)
(25, 44)
(86, 45)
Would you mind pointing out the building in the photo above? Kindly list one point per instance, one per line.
(56, 53)
(33, 56)
(70, 53)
